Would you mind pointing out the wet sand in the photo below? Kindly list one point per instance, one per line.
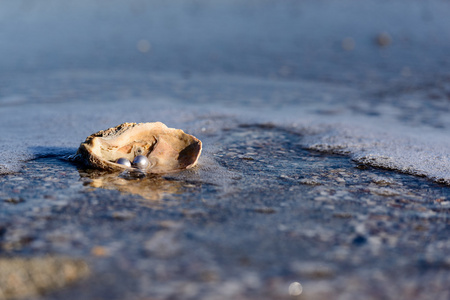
(284, 215)
(325, 167)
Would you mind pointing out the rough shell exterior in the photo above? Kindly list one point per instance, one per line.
(168, 149)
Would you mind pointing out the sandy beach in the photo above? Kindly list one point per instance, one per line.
(325, 168)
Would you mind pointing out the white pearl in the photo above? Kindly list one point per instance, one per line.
(124, 161)
(141, 162)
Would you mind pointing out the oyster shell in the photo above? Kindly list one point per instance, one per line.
(168, 149)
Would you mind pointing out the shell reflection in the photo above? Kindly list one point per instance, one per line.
(150, 187)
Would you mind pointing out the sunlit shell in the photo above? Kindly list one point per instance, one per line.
(167, 149)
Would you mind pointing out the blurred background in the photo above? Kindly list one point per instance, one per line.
(346, 41)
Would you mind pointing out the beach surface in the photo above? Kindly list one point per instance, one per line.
(325, 169)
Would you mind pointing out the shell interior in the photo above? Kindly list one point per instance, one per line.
(168, 149)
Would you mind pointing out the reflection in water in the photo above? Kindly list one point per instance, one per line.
(149, 187)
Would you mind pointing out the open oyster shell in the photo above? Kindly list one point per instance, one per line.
(168, 149)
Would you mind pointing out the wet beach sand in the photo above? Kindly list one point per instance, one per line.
(326, 166)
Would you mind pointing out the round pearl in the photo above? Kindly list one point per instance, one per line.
(141, 162)
(124, 161)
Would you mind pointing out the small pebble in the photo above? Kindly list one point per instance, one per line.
(163, 244)
(122, 215)
(383, 39)
(14, 200)
(99, 251)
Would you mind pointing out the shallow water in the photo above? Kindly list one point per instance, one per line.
(325, 157)
(282, 214)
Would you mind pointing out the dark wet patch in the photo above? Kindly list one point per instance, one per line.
(13, 200)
